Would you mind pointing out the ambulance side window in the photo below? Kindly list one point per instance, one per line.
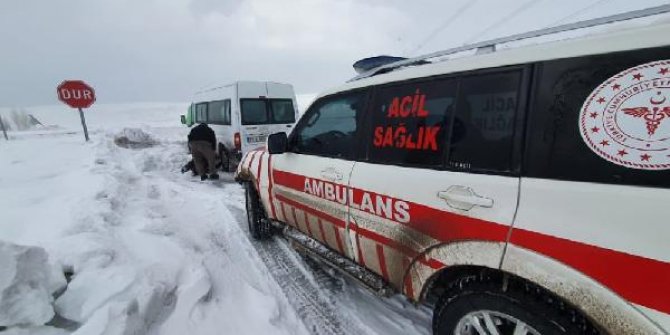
(482, 137)
(410, 123)
(555, 147)
(201, 112)
(330, 126)
(219, 112)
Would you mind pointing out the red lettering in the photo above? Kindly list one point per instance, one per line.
(388, 137)
(409, 144)
(352, 200)
(422, 112)
(430, 139)
(415, 102)
(424, 138)
(379, 135)
(404, 110)
(393, 109)
(400, 136)
(420, 138)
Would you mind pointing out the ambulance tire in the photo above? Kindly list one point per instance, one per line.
(259, 227)
(506, 300)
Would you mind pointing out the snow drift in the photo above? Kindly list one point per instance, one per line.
(152, 251)
(27, 284)
(19, 120)
(134, 138)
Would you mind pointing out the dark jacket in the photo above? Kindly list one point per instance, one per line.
(202, 132)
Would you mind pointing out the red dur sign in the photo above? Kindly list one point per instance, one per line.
(76, 94)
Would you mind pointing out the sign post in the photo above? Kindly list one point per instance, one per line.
(77, 94)
(83, 123)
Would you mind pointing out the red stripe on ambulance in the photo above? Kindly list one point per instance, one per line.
(361, 232)
(258, 173)
(637, 279)
(621, 272)
(252, 155)
(340, 246)
(270, 184)
(419, 217)
(361, 259)
(409, 289)
(307, 225)
(322, 232)
(283, 213)
(382, 261)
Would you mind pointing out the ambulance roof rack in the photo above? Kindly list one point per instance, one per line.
(490, 45)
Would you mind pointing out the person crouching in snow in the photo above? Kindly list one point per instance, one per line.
(202, 142)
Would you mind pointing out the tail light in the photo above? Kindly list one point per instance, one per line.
(237, 140)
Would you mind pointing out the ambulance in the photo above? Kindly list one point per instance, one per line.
(518, 190)
(243, 114)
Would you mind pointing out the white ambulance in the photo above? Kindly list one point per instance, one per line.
(518, 191)
(243, 114)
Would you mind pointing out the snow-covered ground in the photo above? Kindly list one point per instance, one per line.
(151, 251)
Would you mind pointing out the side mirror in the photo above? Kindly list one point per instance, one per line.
(277, 143)
(183, 119)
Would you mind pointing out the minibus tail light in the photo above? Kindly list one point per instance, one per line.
(238, 141)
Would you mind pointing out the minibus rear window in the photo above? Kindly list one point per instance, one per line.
(282, 110)
(267, 111)
(254, 111)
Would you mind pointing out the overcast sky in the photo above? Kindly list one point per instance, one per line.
(164, 50)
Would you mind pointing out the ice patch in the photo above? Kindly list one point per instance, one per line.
(27, 282)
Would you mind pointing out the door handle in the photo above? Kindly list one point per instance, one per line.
(331, 174)
(464, 198)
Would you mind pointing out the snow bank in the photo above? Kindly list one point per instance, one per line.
(27, 284)
(19, 120)
(152, 251)
(134, 138)
(42, 330)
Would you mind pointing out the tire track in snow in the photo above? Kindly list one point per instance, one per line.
(328, 302)
(320, 314)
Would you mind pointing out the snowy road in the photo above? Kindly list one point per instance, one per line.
(158, 252)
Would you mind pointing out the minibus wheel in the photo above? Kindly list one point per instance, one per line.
(225, 159)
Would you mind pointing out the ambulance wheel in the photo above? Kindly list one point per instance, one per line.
(225, 159)
(259, 226)
(493, 304)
